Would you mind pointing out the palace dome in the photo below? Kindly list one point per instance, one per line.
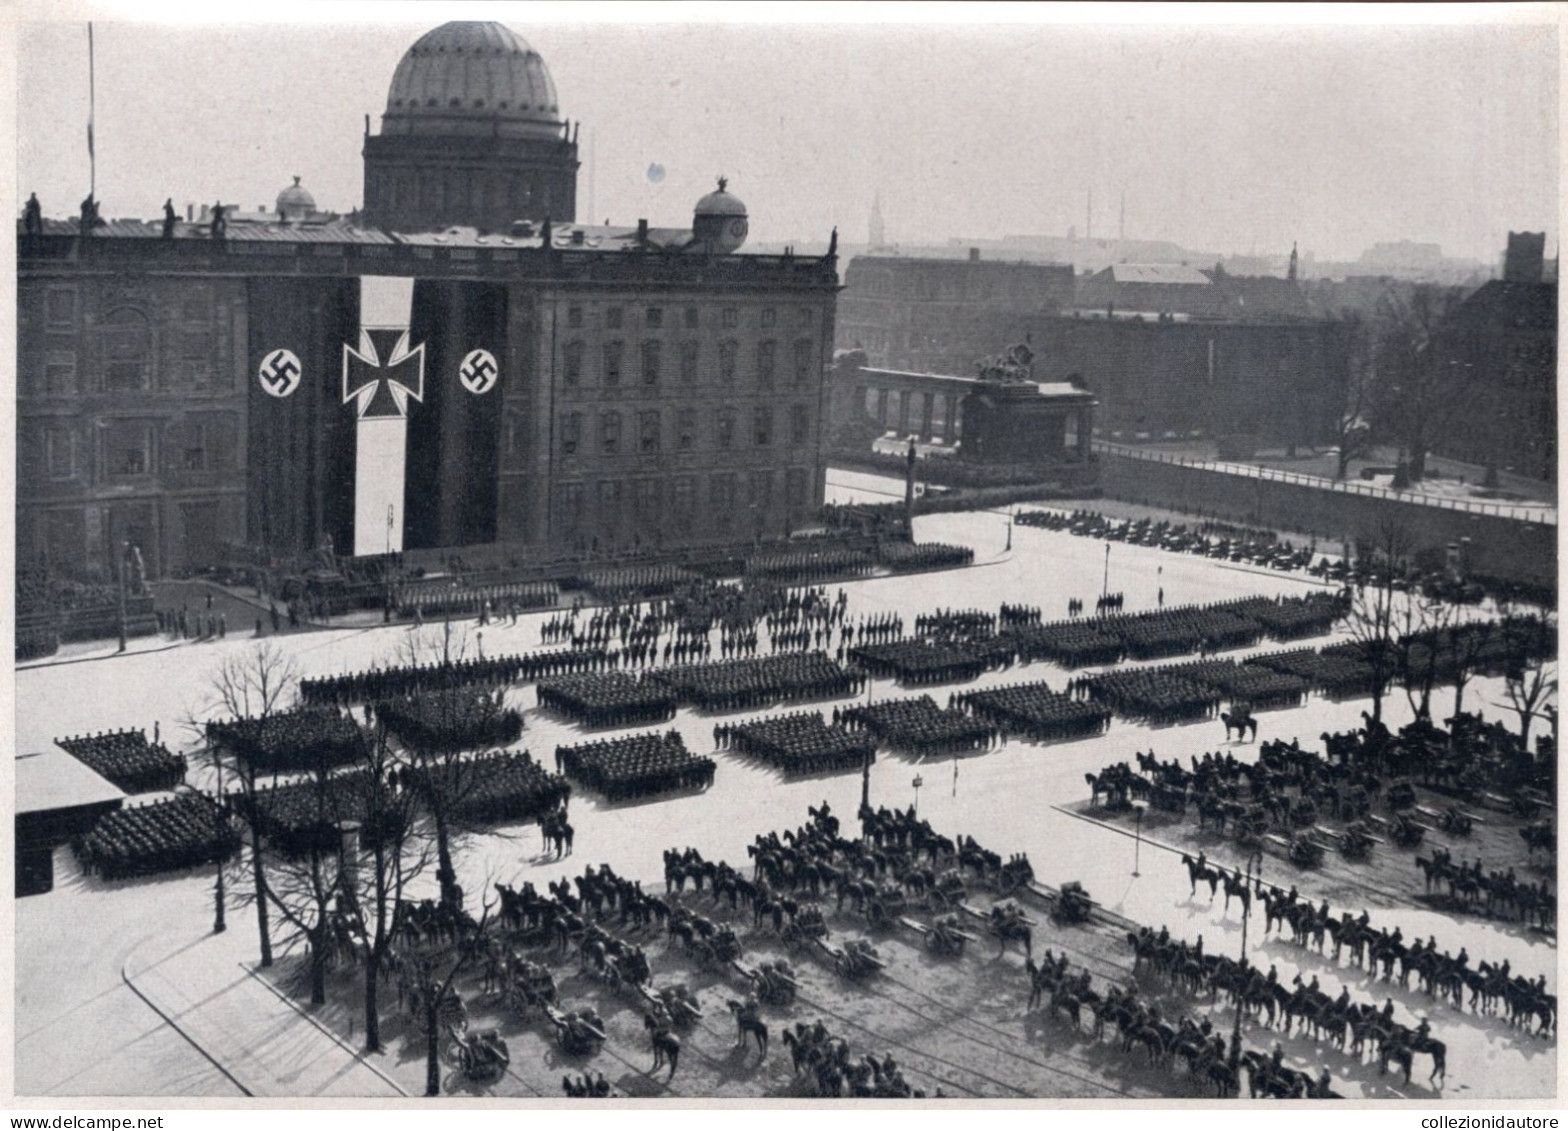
(295, 202)
(472, 78)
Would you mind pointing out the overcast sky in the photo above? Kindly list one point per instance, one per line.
(1224, 138)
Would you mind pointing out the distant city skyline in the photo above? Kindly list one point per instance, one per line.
(1234, 139)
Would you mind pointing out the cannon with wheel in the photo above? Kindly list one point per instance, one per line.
(1015, 874)
(884, 908)
(773, 982)
(1073, 904)
(678, 1003)
(944, 937)
(480, 1056)
(580, 1032)
(856, 959)
(1306, 852)
(948, 892)
(532, 987)
(1357, 842)
(722, 947)
(1405, 832)
(808, 926)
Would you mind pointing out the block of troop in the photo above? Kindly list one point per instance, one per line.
(459, 364)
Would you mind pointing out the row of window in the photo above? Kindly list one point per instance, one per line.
(62, 308)
(650, 429)
(127, 449)
(653, 317)
(726, 491)
(651, 358)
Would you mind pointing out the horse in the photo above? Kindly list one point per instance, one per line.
(666, 1046)
(747, 1021)
(1242, 722)
(1197, 871)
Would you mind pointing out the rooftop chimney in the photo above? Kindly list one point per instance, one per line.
(1525, 258)
(642, 233)
(974, 255)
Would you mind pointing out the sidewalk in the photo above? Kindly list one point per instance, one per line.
(261, 1042)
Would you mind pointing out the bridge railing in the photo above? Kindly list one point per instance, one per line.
(1544, 513)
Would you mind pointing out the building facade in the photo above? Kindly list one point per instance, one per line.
(1503, 341)
(940, 315)
(200, 387)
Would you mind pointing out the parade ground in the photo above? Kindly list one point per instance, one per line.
(122, 989)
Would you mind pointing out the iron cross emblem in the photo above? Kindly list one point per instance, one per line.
(383, 373)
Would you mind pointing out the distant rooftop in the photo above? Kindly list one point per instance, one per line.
(1153, 273)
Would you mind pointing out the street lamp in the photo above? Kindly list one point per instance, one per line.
(1246, 912)
(1105, 590)
(1137, 843)
(918, 782)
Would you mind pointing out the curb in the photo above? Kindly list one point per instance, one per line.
(357, 1054)
(150, 1004)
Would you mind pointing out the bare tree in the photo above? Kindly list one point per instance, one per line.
(249, 687)
(1418, 651)
(1382, 558)
(1465, 647)
(443, 769)
(435, 981)
(396, 852)
(1353, 430)
(1530, 646)
(1422, 392)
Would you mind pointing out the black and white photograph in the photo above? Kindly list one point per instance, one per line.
(574, 554)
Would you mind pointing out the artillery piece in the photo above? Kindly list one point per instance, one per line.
(773, 982)
(944, 937)
(579, 1032)
(856, 959)
(677, 1002)
(480, 1056)
(1073, 904)
(808, 926)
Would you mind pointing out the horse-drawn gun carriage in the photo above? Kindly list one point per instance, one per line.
(1357, 841)
(1406, 832)
(773, 982)
(884, 908)
(678, 1003)
(579, 1032)
(808, 926)
(856, 959)
(1454, 821)
(532, 987)
(948, 892)
(721, 947)
(1305, 852)
(1072, 904)
(944, 937)
(1015, 874)
(480, 1056)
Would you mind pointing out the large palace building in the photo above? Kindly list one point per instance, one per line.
(466, 365)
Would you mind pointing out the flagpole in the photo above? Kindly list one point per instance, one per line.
(92, 157)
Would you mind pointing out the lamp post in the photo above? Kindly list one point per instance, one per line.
(1246, 912)
(1137, 841)
(125, 549)
(865, 766)
(1105, 590)
(918, 782)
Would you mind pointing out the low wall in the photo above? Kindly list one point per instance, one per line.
(1506, 548)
